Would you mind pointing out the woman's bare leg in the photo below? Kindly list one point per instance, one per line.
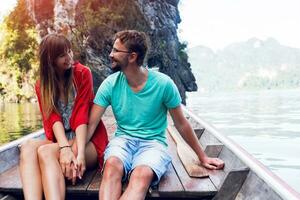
(52, 177)
(30, 170)
(91, 156)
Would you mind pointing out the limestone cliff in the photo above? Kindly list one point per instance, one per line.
(91, 23)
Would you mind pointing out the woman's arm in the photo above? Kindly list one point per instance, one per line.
(66, 156)
(59, 133)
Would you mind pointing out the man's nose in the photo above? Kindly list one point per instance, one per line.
(111, 54)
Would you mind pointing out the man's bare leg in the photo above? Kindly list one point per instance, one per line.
(111, 185)
(140, 180)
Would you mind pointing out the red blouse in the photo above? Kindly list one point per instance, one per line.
(83, 101)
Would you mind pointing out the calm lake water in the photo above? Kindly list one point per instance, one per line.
(265, 123)
(17, 120)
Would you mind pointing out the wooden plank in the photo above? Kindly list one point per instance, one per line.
(9, 158)
(82, 185)
(232, 184)
(199, 132)
(231, 162)
(213, 150)
(170, 184)
(211, 145)
(95, 183)
(10, 180)
(255, 188)
(196, 187)
(8, 197)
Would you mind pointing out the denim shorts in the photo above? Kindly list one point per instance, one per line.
(134, 152)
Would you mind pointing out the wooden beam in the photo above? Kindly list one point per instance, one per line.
(211, 145)
(232, 184)
(199, 132)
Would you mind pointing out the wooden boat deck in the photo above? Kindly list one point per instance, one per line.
(176, 183)
(235, 181)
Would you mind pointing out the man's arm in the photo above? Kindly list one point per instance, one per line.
(188, 134)
(94, 119)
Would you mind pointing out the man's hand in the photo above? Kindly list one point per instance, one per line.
(66, 160)
(75, 148)
(81, 166)
(212, 163)
(74, 174)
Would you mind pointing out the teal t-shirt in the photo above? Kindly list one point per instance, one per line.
(140, 114)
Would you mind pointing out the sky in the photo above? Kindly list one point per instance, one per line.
(6, 6)
(217, 23)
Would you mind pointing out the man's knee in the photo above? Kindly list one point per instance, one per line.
(141, 177)
(113, 168)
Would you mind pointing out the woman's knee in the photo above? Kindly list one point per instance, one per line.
(28, 150)
(45, 153)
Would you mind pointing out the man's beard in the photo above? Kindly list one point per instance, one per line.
(119, 66)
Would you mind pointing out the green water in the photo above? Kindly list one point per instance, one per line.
(17, 120)
(265, 123)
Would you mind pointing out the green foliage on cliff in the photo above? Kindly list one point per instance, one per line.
(17, 55)
(97, 22)
(182, 50)
(92, 20)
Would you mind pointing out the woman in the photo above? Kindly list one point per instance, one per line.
(65, 96)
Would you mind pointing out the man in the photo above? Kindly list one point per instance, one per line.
(140, 99)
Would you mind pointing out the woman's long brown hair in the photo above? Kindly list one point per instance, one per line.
(51, 47)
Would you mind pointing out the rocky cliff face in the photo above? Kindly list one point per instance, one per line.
(158, 19)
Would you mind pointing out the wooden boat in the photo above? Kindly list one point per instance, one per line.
(242, 178)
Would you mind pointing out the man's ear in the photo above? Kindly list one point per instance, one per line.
(132, 57)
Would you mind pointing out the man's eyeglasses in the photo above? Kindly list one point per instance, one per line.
(114, 50)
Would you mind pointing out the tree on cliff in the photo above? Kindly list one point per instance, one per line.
(17, 54)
